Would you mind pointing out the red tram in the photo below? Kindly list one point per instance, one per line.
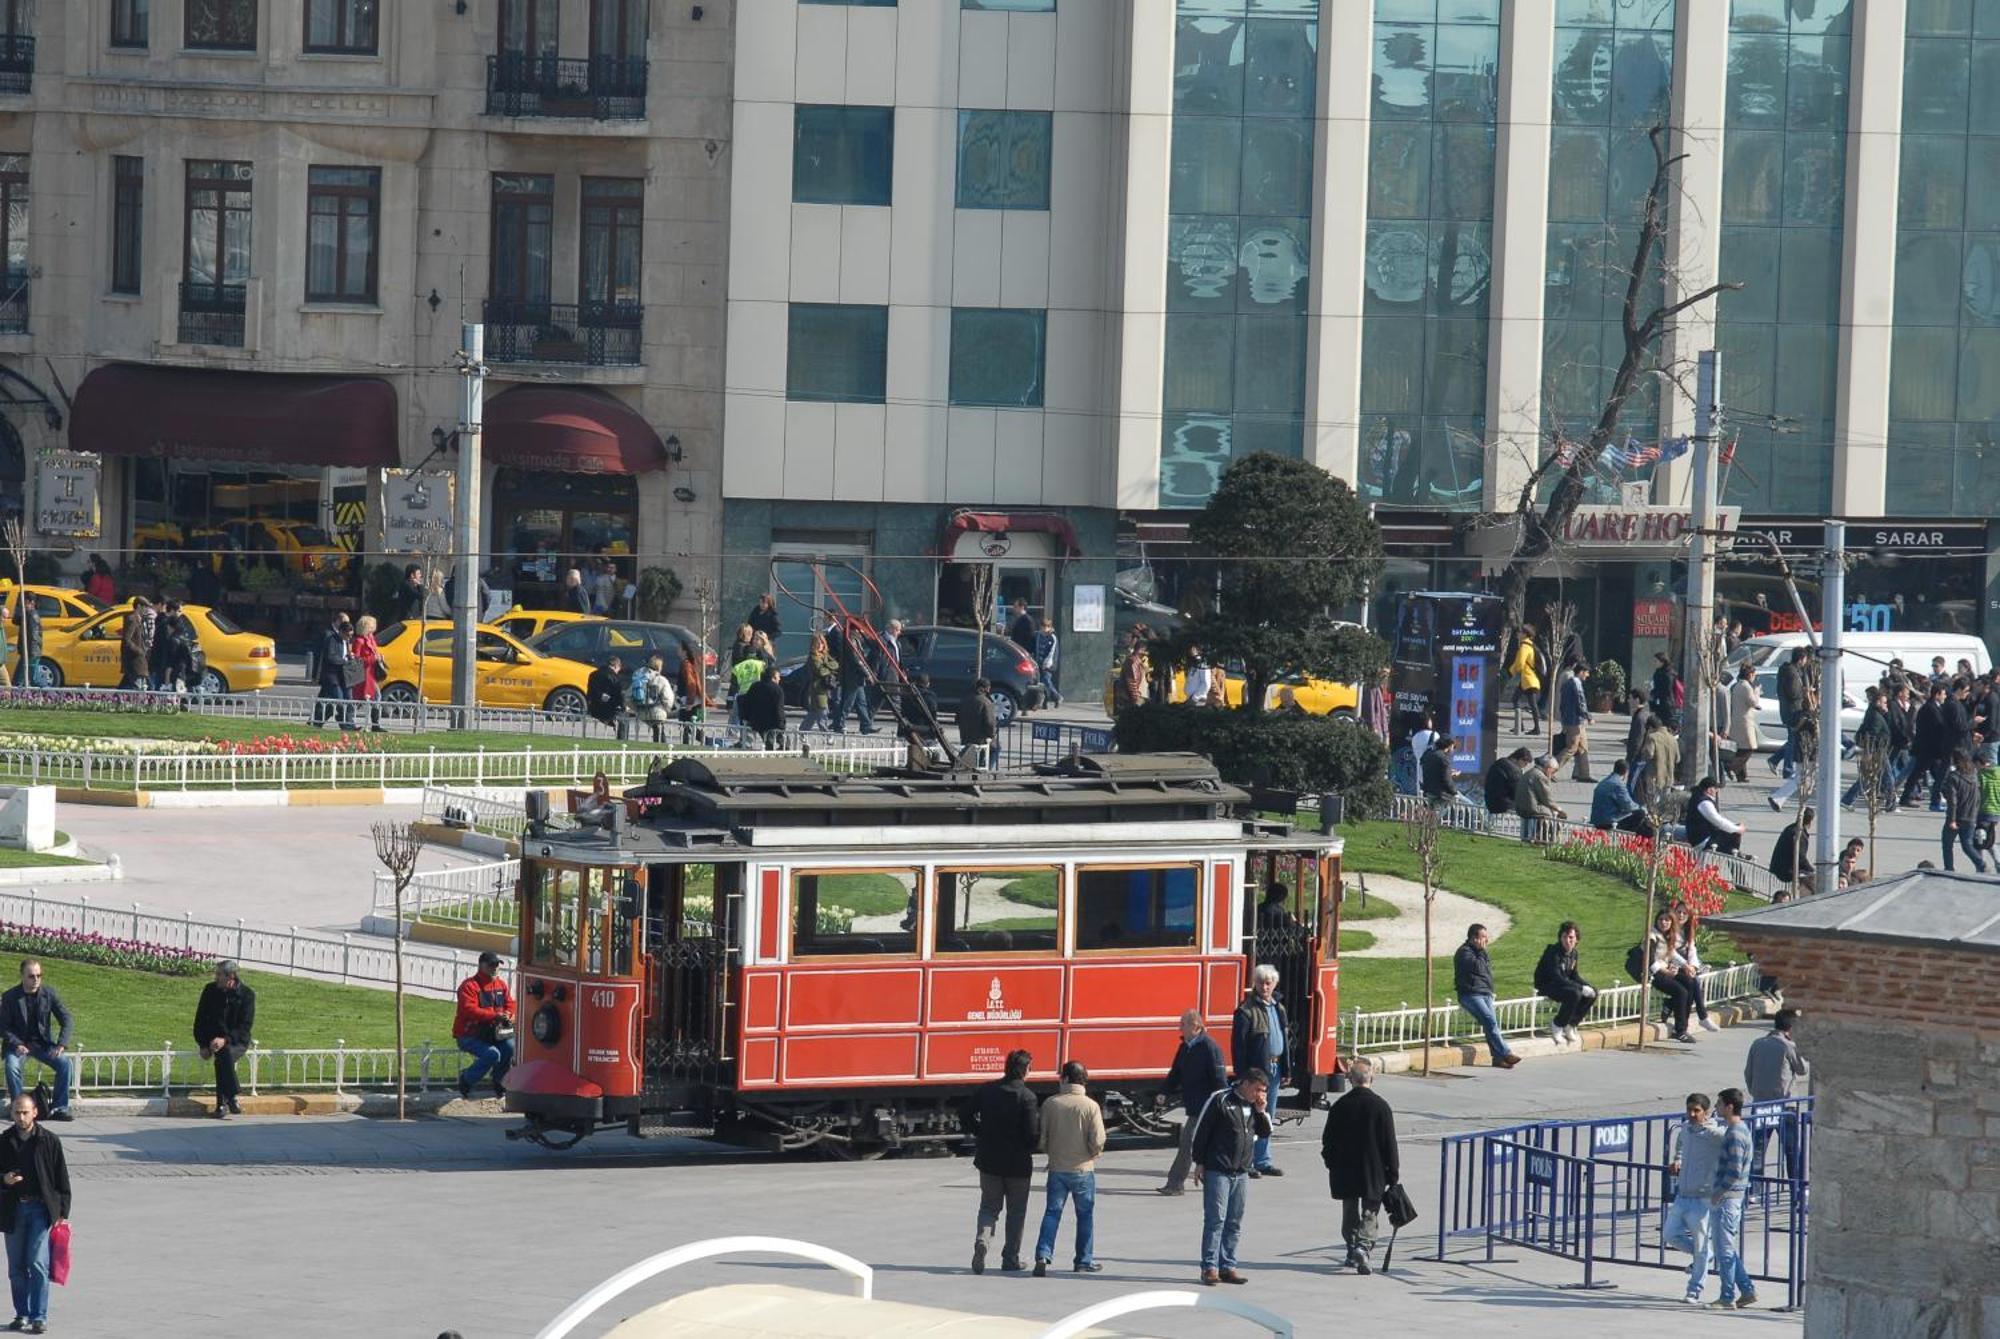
(751, 947)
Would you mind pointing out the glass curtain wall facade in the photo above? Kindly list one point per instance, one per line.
(1944, 384)
(1613, 83)
(1246, 75)
(1784, 178)
(1430, 252)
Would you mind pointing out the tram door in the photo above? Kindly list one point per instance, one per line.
(690, 909)
(1284, 934)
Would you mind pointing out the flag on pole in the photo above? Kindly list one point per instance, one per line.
(1674, 450)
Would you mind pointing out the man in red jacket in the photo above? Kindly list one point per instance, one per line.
(484, 1026)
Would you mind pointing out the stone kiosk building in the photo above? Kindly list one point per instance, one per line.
(1899, 1019)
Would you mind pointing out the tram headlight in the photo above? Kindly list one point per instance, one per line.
(547, 1026)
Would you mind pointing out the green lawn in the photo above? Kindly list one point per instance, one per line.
(189, 725)
(120, 1010)
(1538, 893)
(864, 894)
(1353, 941)
(13, 859)
(1035, 890)
(1374, 909)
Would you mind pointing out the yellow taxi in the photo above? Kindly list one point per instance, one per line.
(510, 675)
(299, 546)
(86, 656)
(1315, 697)
(59, 606)
(524, 625)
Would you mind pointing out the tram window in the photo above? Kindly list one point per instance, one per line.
(854, 911)
(1136, 908)
(998, 910)
(554, 893)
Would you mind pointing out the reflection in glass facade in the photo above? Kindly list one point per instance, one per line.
(1239, 238)
(1944, 383)
(1784, 176)
(1613, 84)
(1430, 252)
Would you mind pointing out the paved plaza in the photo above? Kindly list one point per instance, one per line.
(344, 1226)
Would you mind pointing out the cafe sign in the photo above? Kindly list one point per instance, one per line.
(417, 513)
(67, 493)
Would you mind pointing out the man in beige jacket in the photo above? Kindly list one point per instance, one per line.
(1073, 1137)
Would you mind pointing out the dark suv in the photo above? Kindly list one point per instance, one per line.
(595, 641)
(946, 654)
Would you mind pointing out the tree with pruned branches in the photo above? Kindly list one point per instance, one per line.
(1572, 463)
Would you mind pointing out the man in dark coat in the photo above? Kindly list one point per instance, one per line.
(35, 1199)
(35, 1025)
(1258, 1041)
(1503, 778)
(1558, 981)
(978, 722)
(1005, 1122)
(1196, 1075)
(222, 1022)
(1932, 748)
(762, 707)
(604, 694)
(1359, 1150)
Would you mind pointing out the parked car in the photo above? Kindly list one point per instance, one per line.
(595, 640)
(947, 654)
(227, 659)
(510, 673)
(59, 606)
(1770, 723)
(527, 624)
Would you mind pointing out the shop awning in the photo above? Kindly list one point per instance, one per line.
(576, 431)
(259, 418)
(1009, 522)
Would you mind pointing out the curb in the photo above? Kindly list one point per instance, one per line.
(239, 799)
(1732, 1014)
(378, 1106)
(41, 874)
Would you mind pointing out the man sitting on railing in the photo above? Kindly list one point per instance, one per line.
(222, 1022)
(1613, 808)
(26, 1013)
(484, 1026)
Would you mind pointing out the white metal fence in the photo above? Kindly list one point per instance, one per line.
(431, 1066)
(348, 958)
(1400, 1029)
(479, 897)
(1743, 873)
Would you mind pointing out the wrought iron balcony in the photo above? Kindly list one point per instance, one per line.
(13, 302)
(213, 314)
(587, 334)
(600, 88)
(17, 63)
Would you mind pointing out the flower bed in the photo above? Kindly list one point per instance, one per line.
(1684, 878)
(266, 745)
(126, 747)
(73, 699)
(71, 946)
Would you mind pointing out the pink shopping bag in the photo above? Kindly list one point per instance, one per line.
(59, 1253)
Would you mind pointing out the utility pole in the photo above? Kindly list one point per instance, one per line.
(1833, 602)
(1695, 645)
(465, 609)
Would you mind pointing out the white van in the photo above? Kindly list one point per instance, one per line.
(1865, 656)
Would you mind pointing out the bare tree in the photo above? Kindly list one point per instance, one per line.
(1575, 462)
(1872, 766)
(397, 846)
(706, 606)
(982, 613)
(17, 548)
(1422, 830)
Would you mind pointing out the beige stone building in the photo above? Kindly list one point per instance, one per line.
(241, 236)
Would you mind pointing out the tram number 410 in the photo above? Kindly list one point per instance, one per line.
(603, 999)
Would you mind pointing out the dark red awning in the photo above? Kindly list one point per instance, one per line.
(577, 431)
(1006, 522)
(259, 418)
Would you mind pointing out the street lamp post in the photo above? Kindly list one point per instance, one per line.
(465, 595)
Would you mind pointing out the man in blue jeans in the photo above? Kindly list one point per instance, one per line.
(1725, 1213)
(1698, 1152)
(1257, 1045)
(484, 1026)
(1224, 1134)
(35, 1025)
(1073, 1137)
(1472, 978)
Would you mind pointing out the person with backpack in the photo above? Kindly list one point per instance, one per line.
(652, 696)
(1558, 981)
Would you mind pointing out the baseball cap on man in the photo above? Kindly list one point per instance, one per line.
(489, 959)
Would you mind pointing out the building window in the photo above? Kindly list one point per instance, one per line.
(613, 218)
(342, 208)
(528, 27)
(842, 155)
(1239, 239)
(618, 29)
(341, 27)
(218, 224)
(1003, 160)
(14, 240)
(128, 218)
(837, 353)
(1784, 182)
(221, 25)
(840, 912)
(997, 356)
(129, 23)
(1613, 83)
(523, 217)
(1429, 257)
(1944, 378)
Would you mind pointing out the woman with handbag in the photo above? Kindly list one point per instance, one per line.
(34, 1206)
(365, 669)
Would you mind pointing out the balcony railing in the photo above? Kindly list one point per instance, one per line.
(212, 314)
(17, 63)
(601, 88)
(588, 334)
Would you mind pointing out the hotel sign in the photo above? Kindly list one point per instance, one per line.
(1622, 527)
(66, 494)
